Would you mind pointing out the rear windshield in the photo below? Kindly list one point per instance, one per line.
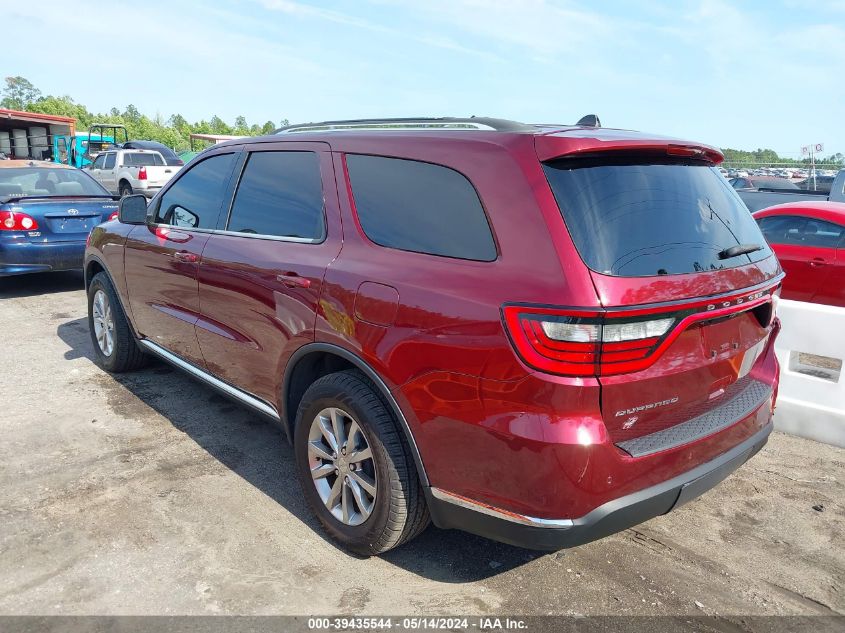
(638, 218)
(16, 182)
(136, 159)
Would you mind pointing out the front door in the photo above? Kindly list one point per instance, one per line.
(162, 258)
(260, 279)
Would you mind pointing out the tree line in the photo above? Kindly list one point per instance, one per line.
(769, 157)
(20, 94)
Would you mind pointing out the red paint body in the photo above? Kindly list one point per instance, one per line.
(813, 273)
(488, 427)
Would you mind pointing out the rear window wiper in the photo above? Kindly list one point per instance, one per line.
(739, 249)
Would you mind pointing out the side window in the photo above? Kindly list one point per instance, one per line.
(194, 200)
(98, 162)
(822, 234)
(782, 229)
(415, 206)
(109, 163)
(280, 194)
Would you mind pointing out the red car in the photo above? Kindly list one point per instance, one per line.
(539, 334)
(809, 240)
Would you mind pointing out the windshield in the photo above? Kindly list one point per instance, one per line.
(638, 218)
(16, 182)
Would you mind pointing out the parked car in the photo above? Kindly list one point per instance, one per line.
(46, 213)
(809, 240)
(125, 172)
(756, 199)
(169, 155)
(755, 183)
(820, 183)
(539, 334)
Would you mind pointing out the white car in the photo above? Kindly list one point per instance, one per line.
(128, 171)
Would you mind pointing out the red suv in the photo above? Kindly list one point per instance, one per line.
(539, 334)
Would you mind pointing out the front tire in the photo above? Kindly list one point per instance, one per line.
(355, 467)
(115, 347)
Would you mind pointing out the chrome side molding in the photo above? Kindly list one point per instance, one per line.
(241, 396)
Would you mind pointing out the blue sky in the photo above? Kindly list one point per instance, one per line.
(745, 74)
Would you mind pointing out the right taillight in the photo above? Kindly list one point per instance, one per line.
(616, 341)
(582, 343)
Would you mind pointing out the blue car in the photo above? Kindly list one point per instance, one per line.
(46, 213)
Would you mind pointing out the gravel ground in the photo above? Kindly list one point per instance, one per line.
(150, 494)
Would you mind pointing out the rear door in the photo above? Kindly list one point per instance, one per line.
(107, 173)
(260, 279)
(95, 169)
(162, 257)
(677, 261)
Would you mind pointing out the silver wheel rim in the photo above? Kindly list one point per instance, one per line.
(103, 323)
(342, 467)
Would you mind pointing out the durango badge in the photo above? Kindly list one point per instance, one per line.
(646, 407)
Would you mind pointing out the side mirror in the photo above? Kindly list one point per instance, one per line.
(132, 210)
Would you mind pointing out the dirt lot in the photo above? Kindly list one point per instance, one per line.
(150, 494)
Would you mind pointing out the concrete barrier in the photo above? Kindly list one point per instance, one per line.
(811, 400)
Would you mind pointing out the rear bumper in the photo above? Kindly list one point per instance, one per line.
(452, 511)
(19, 257)
(149, 192)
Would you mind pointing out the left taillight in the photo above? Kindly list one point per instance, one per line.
(113, 216)
(16, 221)
(582, 343)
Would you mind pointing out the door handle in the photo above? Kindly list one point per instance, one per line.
(292, 280)
(186, 256)
(816, 262)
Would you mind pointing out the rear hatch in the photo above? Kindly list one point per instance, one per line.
(686, 281)
(155, 170)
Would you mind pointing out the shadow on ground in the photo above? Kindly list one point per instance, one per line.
(256, 450)
(40, 284)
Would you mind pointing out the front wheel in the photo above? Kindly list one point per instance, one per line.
(115, 347)
(355, 467)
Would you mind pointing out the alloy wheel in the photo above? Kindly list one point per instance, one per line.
(342, 467)
(103, 322)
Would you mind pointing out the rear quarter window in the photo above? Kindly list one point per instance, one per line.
(420, 207)
(644, 216)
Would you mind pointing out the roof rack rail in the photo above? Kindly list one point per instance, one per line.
(422, 123)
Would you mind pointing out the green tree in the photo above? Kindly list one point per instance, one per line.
(19, 93)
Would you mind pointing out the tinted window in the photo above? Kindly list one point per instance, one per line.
(782, 229)
(419, 207)
(98, 162)
(194, 200)
(109, 162)
(280, 194)
(137, 159)
(822, 234)
(634, 219)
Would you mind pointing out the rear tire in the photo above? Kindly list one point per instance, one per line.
(115, 347)
(125, 189)
(388, 508)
